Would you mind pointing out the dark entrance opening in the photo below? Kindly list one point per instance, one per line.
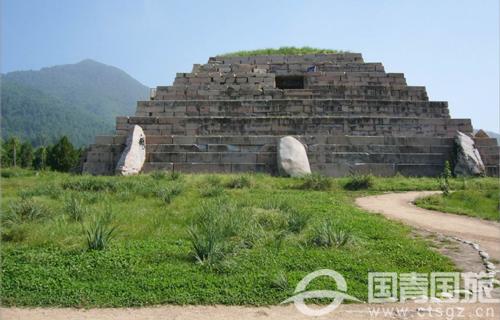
(290, 82)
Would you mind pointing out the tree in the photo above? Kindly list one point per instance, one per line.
(62, 156)
(10, 150)
(40, 159)
(26, 155)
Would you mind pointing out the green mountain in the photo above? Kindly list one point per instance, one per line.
(78, 100)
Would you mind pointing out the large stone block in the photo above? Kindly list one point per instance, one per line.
(292, 158)
(134, 155)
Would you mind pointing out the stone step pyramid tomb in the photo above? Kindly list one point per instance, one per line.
(229, 114)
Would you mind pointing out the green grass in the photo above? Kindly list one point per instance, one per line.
(280, 51)
(479, 203)
(262, 233)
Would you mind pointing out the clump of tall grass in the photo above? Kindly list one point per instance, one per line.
(280, 282)
(239, 182)
(316, 181)
(158, 175)
(14, 232)
(50, 190)
(297, 220)
(75, 208)
(211, 187)
(270, 220)
(26, 209)
(89, 183)
(212, 191)
(174, 175)
(16, 172)
(168, 193)
(100, 230)
(215, 231)
(328, 234)
(359, 182)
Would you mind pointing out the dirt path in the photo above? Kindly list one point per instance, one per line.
(399, 206)
(344, 312)
(394, 206)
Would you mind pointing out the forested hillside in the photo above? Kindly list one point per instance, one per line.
(78, 100)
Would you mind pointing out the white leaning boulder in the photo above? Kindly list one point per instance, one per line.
(292, 158)
(134, 155)
(468, 161)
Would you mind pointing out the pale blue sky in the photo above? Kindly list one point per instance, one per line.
(450, 46)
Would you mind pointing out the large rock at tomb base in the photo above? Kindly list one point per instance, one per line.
(292, 158)
(468, 161)
(134, 155)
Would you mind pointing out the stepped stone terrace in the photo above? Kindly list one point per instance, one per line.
(227, 116)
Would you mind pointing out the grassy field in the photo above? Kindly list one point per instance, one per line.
(195, 239)
(475, 202)
(280, 51)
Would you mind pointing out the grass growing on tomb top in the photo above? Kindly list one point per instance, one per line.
(280, 51)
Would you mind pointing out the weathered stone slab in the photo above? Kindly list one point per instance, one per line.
(134, 155)
(468, 161)
(292, 158)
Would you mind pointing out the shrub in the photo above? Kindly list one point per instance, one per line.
(327, 234)
(315, 182)
(444, 179)
(359, 182)
(240, 182)
(27, 209)
(74, 208)
(100, 231)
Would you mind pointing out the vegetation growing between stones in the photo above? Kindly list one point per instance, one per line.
(280, 51)
(239, 246)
